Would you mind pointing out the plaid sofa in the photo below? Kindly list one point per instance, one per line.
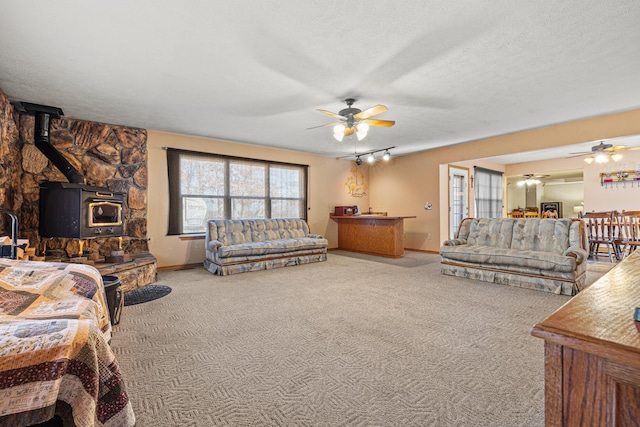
(542, 254)
(237, 246)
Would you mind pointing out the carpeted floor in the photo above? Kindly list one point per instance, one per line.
(353, 341)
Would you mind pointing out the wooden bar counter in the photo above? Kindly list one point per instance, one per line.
(372, 234)
(592, 353)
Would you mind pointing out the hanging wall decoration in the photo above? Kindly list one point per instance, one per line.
(355, 183)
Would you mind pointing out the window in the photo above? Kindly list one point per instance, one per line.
(488, 193)
(206, 186)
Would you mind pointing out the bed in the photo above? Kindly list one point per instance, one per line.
(55, 357)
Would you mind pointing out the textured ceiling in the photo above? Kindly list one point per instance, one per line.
(255, 71)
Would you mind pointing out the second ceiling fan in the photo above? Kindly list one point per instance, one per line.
(602, 152)
(353, 120)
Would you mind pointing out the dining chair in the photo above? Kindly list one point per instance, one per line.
(516, 214)
(628, 223)
(550, 214)
(600, 231)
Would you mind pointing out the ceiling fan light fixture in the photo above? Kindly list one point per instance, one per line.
(338, 136)
(528, 181)
(601, 158)
(363, 127)
(616, 157)
(588, 160)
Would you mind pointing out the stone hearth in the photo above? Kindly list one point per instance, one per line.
(138, 272)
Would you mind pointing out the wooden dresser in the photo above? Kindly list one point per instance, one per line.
(592, 353)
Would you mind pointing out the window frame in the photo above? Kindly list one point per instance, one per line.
(176, 223)
(493, 205)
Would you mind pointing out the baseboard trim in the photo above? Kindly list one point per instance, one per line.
(180, 267)
(406, 249)
(423, 251)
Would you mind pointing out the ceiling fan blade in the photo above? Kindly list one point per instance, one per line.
(329, 113)
(349, 131)
(383, 123)
(581, 153)
(378, 109)
(322, 126)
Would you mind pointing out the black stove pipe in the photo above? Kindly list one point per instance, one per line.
(43, 115)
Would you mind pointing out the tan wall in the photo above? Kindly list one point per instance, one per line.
(403, 185)
(326, 190)
(599, 198)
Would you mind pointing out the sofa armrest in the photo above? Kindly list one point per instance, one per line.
(315, 236)
(576, 252)
(214, 244)
(455, 242)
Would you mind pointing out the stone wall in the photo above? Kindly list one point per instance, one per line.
(108, 156)
(10, 170)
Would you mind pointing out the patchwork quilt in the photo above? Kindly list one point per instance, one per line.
(55, 357)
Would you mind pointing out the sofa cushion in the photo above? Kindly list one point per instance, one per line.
(232, 231)
(496, 232)
(253, 258)
(241, 231)
(271, 247)
(292, 228)
(547, 235)
(479, 254)
(263, 230)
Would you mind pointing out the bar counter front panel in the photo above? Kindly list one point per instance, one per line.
(371, 234)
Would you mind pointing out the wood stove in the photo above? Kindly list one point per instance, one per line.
(79, 211)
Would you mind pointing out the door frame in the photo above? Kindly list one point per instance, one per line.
(466, 171)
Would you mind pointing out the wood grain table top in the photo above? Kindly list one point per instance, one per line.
(600, 318)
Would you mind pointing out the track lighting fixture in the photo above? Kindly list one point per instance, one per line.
(370, 155)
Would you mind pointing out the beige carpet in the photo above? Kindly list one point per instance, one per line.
(348, 342)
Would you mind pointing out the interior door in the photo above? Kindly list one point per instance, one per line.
(458, 198)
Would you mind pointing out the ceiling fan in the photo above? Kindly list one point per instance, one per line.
(353, 120)
(601, 153)
(531, 179)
